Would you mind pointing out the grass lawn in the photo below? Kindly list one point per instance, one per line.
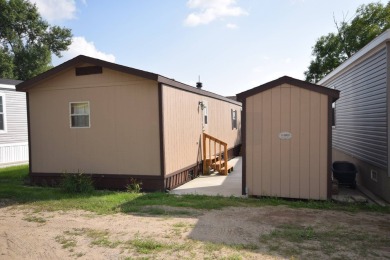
(183, 227)
(12, 189)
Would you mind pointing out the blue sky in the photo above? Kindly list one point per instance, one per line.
(232, 45)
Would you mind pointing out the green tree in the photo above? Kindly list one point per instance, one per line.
(333, 49)
(27, 41)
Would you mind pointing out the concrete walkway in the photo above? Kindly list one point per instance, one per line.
(216, 184)
(230, 185)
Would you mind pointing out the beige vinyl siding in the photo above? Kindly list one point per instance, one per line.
(123, 137)
(183, 126)
(294, 168)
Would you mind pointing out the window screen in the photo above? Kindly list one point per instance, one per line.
(79, 114)
(234, 119)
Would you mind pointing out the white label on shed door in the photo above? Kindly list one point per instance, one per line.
(285, 135)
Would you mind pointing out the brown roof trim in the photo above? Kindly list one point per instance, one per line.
(334, 94)
(24, 86)
(232, 98)
(182, 86)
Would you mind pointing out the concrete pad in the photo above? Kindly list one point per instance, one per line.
(5, 165)
(349, 195)
(216, 184)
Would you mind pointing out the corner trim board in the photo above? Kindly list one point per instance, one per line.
(161, 128)
(29, 134)
(329, 164)
(243, 145)
(388, 104)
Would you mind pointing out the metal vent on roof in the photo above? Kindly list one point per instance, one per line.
(199, 84)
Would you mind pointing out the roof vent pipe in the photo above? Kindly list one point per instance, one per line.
(199, 84)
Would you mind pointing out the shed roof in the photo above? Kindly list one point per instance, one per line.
(292, 81)
(28, 84)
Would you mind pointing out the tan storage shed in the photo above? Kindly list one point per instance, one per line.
(287, 138)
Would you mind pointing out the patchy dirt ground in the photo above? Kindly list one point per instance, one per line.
(232, 233)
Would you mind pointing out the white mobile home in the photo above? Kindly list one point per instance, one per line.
(13, 124)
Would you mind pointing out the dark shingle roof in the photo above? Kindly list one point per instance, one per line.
(10, 81)
(334, 94)
(26, 85)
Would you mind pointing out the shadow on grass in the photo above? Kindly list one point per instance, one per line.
(13, 191)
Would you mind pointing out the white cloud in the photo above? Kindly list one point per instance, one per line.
(210, 10)
(81, 46)
(232, 26)
(287, 60)
(56, 10)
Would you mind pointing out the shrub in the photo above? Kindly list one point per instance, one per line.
(76, 183)
(134, 186)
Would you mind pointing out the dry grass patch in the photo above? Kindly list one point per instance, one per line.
(306, 242)
(36, 219)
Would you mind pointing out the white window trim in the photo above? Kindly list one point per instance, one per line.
(70, 114)
(3, 131)
(334, 112)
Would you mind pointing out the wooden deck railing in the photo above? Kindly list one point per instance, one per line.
(214, 157)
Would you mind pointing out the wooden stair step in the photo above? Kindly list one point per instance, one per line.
(213, 159)
(229, 167)
(216, 164)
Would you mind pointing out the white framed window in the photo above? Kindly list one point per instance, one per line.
(79, 114)
(3, 119)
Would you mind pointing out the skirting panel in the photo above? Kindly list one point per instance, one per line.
(119, 182)
(185, 175)
(103, 181)
(11, 153)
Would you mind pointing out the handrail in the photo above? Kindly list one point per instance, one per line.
(206, 160)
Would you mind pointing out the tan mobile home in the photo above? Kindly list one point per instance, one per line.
(118, 123)
(287, 139)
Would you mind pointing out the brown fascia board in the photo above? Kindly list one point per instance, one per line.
(182, 86)
(24, 86)
(334, 94)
